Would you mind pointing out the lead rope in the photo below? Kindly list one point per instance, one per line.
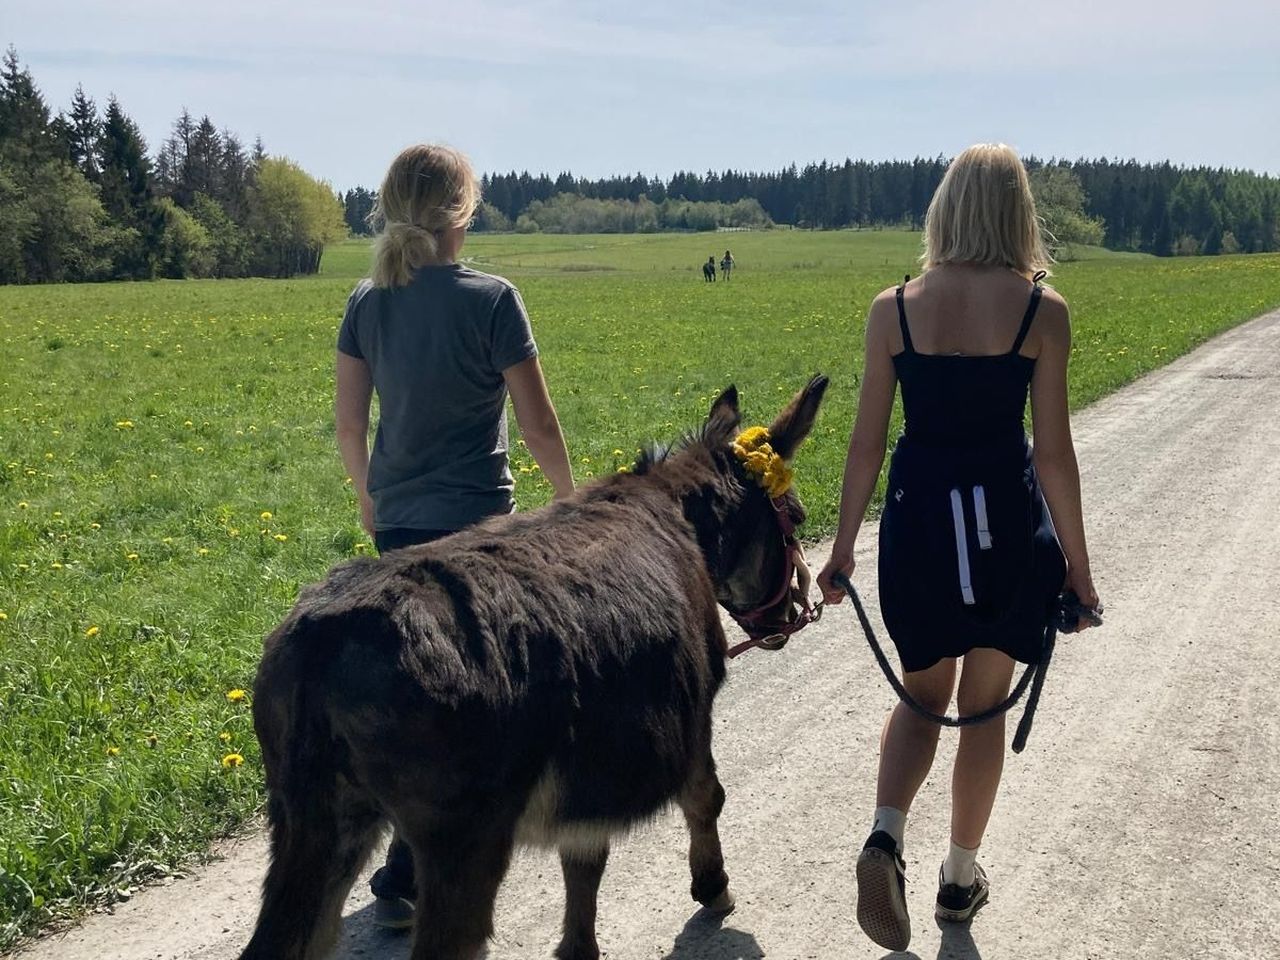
(1032, 677)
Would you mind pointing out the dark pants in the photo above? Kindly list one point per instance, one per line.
(395, 878)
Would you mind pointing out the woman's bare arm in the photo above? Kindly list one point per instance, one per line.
(867, 443)
(539, 424)
(1054, 452)
(353, 394)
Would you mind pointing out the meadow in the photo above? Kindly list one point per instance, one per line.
(168, 479)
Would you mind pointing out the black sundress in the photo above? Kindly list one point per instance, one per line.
(968, 554)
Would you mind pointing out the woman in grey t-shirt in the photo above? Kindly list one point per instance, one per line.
(442, 345)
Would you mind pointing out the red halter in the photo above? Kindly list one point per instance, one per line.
(775, 636)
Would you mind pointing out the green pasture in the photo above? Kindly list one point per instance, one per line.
(168, 479)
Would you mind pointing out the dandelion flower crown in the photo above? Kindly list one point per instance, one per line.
(762, 462)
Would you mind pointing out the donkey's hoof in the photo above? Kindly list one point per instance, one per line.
(722, 904)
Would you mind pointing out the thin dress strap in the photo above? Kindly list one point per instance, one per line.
(1030, 315)
(902, 318)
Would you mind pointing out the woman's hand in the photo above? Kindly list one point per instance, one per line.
(366, 513)
(840, 561)
(1080, 582)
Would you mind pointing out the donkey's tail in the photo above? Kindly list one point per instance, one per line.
(322, 826)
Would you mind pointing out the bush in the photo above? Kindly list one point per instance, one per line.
(185, 247)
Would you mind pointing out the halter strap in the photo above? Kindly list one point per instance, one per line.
(907, 345)
(1036, 292)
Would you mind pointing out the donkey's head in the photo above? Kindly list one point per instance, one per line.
(746, 517)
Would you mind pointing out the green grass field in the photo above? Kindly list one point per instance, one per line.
(168, 479)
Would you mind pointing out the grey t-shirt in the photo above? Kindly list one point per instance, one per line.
(436, 349)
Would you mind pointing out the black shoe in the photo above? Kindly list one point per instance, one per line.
(882, 893)
(394, 895)
(957, 904)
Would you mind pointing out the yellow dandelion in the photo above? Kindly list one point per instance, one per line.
(236, 695)
(57, 514)
(56, 565)
(22, 504)
(48, 456)
(233, 531)
(231, 761)
(265, 515)
(224, 737)
(618, 453)
(154, 476)
(113, 751)
(92, 631)
(131, 556)
(95, 526)
(199, 449)
(167, 539)
(281, 537)
(187, 423)
(202, 551)
(124, 424)
(3, 615)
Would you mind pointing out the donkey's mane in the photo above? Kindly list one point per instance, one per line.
(708, 436)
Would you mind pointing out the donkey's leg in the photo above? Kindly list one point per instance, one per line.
(582, 872)
(702, 799)
(459, 869)
(318, 846)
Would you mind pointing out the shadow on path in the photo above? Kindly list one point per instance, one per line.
(705, 937)
(361, 939)
(957, 942)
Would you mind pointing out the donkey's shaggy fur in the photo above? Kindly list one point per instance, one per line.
(542, 678)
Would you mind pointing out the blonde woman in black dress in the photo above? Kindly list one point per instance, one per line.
(980, 530)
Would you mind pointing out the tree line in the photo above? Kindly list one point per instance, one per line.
(1155, 208)
(82, 199)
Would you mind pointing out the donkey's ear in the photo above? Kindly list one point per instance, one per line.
(794, 423)
(724, 418)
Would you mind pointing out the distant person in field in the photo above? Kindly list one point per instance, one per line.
(969, 562)
(709, 269)
(442, 345)
(726, 265)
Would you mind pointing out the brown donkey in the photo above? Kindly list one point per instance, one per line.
(544, 678)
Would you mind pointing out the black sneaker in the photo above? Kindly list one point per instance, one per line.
(882, 893)
(394, 896)
(957, 904)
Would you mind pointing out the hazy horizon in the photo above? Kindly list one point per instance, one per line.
(565, 85)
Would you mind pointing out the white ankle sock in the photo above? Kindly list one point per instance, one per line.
(958, 867)
(892, 821)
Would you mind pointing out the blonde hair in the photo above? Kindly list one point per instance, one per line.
(427, 190)
(983, 212)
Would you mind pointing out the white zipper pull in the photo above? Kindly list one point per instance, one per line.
(962, 548)
(980, 512)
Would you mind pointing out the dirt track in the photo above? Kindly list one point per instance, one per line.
(1140, 823)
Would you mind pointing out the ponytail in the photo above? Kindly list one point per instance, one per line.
(399, 249)
(429, 189)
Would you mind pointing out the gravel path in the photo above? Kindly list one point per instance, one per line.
(1140, 823)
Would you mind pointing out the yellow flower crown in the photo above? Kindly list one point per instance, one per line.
(759, 459)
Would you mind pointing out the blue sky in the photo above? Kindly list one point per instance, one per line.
(600, 88)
